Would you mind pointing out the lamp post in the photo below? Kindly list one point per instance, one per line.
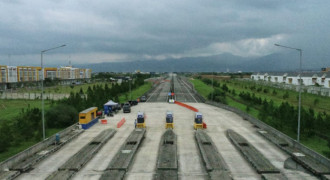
(212, 86)
(130, 88)
(42, 89)
(299, 104)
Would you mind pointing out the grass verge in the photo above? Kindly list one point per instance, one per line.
(10, 108)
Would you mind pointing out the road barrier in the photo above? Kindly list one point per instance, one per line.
(167, 161)
(119, 164)
(215, 164)
(121, 122)
(80, 159)
(186, 106)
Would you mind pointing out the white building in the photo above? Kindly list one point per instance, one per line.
(308, 79)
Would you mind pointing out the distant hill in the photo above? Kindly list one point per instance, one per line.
(217, 63)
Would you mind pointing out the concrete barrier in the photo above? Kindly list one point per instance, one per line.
(33, 149)
(104, 121)
(186, 106)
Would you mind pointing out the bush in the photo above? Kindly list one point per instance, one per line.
(259, 89)
(61, 116)
(225, 88)
(274, 92)
(266, 91)
(247, 108)
(286, 95)
(28, 124)
(233, 92)
(5, 136)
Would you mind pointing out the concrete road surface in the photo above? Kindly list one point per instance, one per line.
(190, 163)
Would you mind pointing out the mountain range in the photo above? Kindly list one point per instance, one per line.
(218, 63)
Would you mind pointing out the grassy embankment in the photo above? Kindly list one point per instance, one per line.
(316, 102)
(308, 101)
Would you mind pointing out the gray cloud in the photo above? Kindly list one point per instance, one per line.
(127, 30)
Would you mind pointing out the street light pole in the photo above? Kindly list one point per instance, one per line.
(299, 103)
(42, 90)
(130, 89)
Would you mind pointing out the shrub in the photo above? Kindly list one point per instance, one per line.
(5, 136)
(274, 92)
(266, 91)
(286, 95)
(61, 116)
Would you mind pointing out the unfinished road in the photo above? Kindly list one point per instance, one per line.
(190, 163)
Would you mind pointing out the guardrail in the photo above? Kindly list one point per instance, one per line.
(32, 96)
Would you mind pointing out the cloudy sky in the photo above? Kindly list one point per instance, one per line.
(128, 30)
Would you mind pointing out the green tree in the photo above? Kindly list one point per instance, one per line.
(6, 135)
(61, 116)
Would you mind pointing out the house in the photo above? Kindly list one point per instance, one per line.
(321, 79)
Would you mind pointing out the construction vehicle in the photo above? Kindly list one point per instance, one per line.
(169, 120)
(140, 121)
(198, 121)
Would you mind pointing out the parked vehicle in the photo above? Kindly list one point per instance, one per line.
(143, 99)
(127, 108)
(133, 102)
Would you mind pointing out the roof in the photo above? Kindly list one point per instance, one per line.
(110, 103)
(198, 114)
(295, 74)
(89, 109)
(169, 113)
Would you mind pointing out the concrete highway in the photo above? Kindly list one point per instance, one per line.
(189, 160)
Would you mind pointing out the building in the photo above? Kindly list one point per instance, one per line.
(321, 79)
(29, 74)
(327, 69)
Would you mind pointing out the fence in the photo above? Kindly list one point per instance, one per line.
(32, 96)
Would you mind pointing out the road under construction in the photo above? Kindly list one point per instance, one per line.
(229, 148)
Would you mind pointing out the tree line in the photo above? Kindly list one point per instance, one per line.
(27, 126)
